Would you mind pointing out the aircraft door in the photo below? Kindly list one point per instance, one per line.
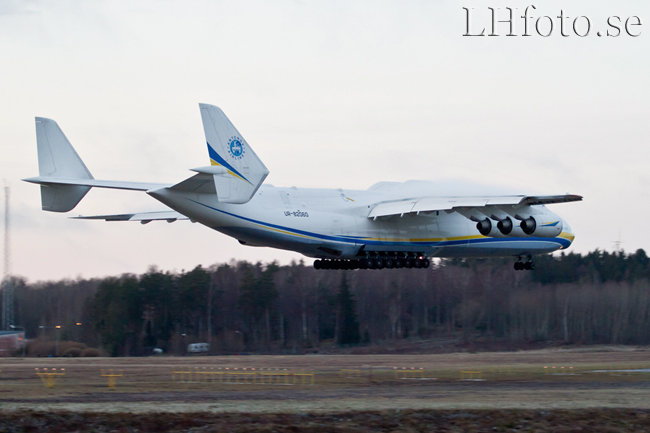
(284, 196)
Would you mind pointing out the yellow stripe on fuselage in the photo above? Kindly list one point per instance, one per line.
(457, 238)
(567, 235)
(285, 232)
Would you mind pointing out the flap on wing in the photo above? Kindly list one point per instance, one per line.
(143, 217)
(431, 204)
(392, 208)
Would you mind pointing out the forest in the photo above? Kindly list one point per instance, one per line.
(241, 307)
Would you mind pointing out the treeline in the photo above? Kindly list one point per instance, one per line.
(597, 298)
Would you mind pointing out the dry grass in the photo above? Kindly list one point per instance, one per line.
(515, 392)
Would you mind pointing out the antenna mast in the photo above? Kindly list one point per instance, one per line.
(7, 284)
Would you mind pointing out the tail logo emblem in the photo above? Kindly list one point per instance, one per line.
(236, 148)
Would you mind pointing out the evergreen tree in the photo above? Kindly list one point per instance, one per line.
(160, 305)
(349, 331)
(118, 314)
(257, 296)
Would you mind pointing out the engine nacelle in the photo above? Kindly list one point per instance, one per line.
(543, 226)
(537, 225)
(505, 226)
(484, 227)
(487, 227)
(508, 228)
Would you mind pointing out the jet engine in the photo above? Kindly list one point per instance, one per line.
(508, 228)
(535, 226)
(505, 226)
(484, 227)
(489, 228)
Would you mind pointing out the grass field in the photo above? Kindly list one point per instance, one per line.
(469, 389)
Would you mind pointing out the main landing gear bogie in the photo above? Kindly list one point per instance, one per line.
(336, 264)
(419, 262)
(378, 262)
(524, 266)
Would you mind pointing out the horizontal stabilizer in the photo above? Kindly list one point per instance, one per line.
(112, 184)
(200, 183)
(143, 217)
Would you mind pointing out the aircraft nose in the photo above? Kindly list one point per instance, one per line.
(567, 233)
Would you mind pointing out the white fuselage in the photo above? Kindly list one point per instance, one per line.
(334, 223)
(391, 224)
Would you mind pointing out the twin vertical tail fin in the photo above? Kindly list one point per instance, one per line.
(57, 160)
(236, 170)
(243, 172)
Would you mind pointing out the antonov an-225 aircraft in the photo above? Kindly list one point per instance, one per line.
(389, 225)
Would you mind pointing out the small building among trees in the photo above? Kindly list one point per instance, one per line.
(10, 341)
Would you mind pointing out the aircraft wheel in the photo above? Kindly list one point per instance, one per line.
(371, 264)
(426, 263)
(379, 263)
(417, 263)
(408, 263)
(317, 264)
(528, 266)
(389, 263)
(399, 263)
(518, 266)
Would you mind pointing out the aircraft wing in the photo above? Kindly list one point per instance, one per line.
(143, 217)
(432, 204)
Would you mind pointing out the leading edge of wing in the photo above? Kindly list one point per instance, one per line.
(143, 217)
(113, 184)
(432, 204)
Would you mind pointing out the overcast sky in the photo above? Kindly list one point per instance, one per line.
(329, 94)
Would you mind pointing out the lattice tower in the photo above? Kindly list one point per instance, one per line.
(7, 286)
